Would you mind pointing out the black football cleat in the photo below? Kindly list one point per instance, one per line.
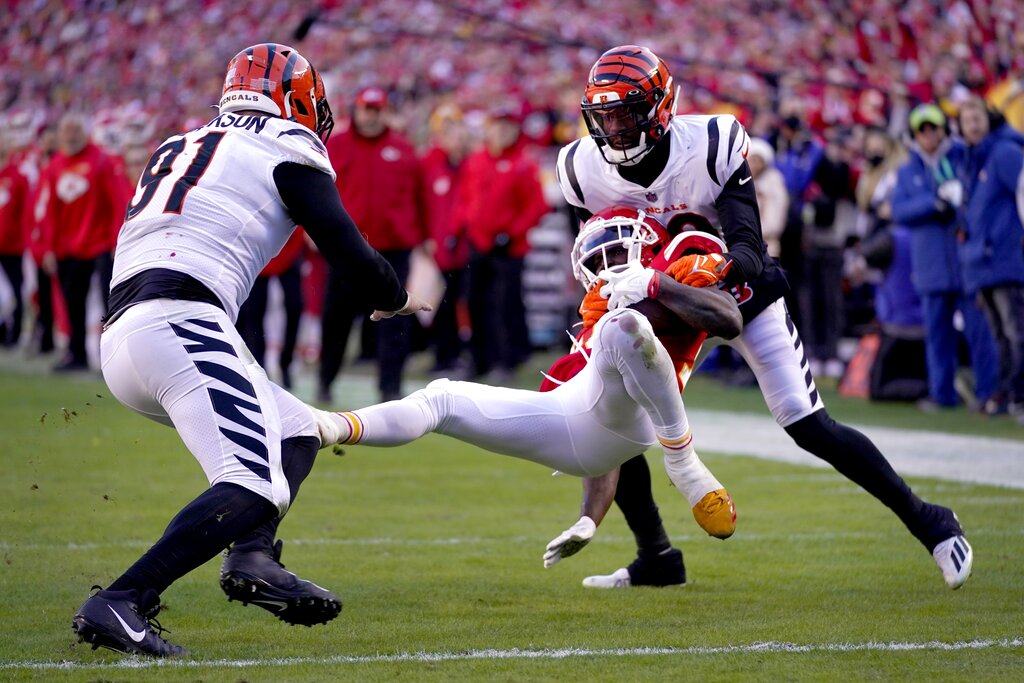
(125, 622)
(258, 577)
(666, 569)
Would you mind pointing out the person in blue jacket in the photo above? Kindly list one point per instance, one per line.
(927, 199)
(993, 253)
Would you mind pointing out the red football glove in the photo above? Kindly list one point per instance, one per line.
(699, 270)
(594, 306)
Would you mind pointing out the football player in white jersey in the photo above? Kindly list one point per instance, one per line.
(212, 207)
(691, 173)
(616, 394)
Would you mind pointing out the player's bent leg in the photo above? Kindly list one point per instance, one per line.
(625, 344)
(119, 617)
(252, 571)
(771, 345)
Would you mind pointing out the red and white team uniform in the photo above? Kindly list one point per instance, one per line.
(682, 200)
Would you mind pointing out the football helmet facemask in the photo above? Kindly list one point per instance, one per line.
(610, 232)
(628, 103)
(276, 79)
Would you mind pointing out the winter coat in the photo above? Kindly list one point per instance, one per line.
(934, 249)
(993, 178)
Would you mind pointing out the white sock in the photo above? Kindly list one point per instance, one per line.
(691, 476)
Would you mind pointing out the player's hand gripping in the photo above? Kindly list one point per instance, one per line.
(593, 306)
(412, 304)
(699, 270)
(570, 541)
(628, 285)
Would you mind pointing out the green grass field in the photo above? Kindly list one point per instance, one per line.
(436, 551)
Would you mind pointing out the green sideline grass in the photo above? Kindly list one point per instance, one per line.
(436, 548)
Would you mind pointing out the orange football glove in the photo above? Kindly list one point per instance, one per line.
(594, 306)
(699, 270)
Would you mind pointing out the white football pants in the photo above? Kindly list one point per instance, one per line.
(772, 348)
(621, 403)
(182, 364)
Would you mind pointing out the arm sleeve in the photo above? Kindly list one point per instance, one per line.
(741, 225)
(312, 201)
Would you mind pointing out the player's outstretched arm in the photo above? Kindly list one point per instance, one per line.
(704, 308)
(598, 493)
(313, 202)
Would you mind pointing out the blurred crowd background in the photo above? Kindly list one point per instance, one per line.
(471, 88)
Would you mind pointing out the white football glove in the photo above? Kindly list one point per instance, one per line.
(952, 192)
(627, 285)
(412, 304)
(570, 541)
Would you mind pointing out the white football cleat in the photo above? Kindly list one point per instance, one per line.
(617, 579)
(955, 559)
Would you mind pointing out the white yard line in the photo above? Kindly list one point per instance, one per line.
(516, 653)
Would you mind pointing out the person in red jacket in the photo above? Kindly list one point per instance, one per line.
(34, 161)
(85, 192)
(14, 188)
(381, 184)
(287, 268)
(501, 199)
(442, 168)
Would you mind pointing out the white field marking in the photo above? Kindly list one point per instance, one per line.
(814, 536)
(953, 457)
(516, 653)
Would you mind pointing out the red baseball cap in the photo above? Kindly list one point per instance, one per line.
(372, 98)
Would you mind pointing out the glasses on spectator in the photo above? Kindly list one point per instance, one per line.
(927, 128)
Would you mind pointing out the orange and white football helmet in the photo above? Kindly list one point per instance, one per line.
(276, 79)
(628, 103)
(611, 230)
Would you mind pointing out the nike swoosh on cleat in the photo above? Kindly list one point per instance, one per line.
(137, 636)
(746, 180)
(282, 605)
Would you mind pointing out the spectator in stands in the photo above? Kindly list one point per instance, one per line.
(442, 166)
(84, 208)
(927, 199)
(993, 254)
(828, 216)
(772, 198)
(380, 180)
(502, 199)
(798, 156)
(36, 159)
(899, 372)
(14, 222)
(287, 268)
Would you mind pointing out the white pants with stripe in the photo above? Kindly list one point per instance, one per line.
(183, 364)
(625, 398)
(772, 348)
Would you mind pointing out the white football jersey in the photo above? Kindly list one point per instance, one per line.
(705, 152)
(207, 204)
